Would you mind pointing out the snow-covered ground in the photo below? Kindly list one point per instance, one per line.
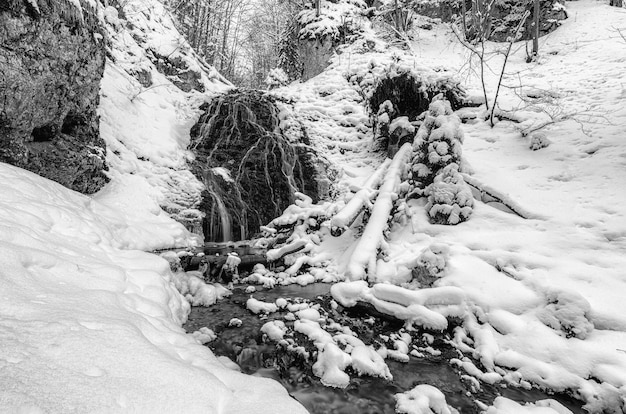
(89, 322)
(541, 297)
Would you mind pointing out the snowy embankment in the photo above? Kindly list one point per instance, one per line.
(145, 115)
(88, 325)
(542, 285)
(89, 322)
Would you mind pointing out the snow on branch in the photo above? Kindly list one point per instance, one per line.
(498, 196)
(424, 307)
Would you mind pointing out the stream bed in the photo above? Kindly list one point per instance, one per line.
(256, 355)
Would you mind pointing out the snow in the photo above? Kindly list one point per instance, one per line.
(258, 306)
(146, 128)
(423, 399)
(538, 268)
(503, 405)
(89, 323)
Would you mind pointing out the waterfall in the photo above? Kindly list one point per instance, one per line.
(250, 169)
(222, 213)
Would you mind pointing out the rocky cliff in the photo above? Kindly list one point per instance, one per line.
(52, 58)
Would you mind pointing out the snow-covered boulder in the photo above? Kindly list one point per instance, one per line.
(431, 264)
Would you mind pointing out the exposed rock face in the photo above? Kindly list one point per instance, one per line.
(51, 62)
(315, 55)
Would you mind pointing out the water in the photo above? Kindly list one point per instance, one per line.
(224, 218)
(261, 168)
(245, 346)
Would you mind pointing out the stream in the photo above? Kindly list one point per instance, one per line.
(259, 356)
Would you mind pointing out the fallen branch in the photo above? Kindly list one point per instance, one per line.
(277, 254)
(499, 197)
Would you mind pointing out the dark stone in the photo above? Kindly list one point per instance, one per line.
(51, 64)
(315, 55)
(410, 96)
(177, 71)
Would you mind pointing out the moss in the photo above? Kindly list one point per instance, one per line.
(240, 133)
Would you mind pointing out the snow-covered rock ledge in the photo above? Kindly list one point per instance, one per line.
(89, 323)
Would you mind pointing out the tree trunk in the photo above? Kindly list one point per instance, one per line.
(463, 14)
(536, 29)
(318, 7)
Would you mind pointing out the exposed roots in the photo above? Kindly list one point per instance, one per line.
(248, 165)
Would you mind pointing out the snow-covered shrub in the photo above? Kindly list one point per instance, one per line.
(431, 264)
(567, 312)
(437, 143)
(277, 77)
(538, 140)
(450, 199)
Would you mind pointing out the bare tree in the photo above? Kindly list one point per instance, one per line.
(536, 10)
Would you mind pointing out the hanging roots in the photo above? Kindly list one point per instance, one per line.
(248, 166)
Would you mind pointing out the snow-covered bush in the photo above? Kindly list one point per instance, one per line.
(450, 199)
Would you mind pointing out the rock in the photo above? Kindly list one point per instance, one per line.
(52, 61)
(315, 55)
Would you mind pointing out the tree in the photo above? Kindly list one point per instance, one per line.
(535, 29)
(616, 3)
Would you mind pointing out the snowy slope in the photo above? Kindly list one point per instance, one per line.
(89, 322)
(146, 125)
(88, 325)
(543, 296)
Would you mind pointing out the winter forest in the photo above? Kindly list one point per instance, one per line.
(322, 206)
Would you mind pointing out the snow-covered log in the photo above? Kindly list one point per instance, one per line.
(366, 251)
(428, 308)
(294, 246)
(351, 211)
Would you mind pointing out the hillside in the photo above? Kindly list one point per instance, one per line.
(529, 285)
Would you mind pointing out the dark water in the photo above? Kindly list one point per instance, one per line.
(245, 346)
